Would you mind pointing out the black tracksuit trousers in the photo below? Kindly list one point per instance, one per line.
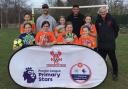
(112, 57)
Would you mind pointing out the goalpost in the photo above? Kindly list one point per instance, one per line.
(91, 6)
(66, 8)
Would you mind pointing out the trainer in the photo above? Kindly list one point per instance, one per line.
(107, 31)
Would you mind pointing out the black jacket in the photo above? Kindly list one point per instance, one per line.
(77, 22)
(107, 31)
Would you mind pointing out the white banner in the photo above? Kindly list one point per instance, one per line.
(66, 66)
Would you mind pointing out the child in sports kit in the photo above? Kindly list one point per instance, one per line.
(86, 39)
(60, 28)
(28, 36)
(45, 37)
(92, 33)
(27, 20)
(68, 37)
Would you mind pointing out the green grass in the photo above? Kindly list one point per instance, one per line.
(8, 35)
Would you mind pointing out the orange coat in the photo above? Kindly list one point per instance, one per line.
(45, 37)
(87, 41)
(93, 30)
(58, 30)
(93, 33)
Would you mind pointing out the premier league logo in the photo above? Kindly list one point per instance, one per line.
(29, 75)
(80, 73)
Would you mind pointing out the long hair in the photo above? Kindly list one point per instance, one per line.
(45, 22)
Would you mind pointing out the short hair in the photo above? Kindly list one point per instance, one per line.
(68, 23)
(87, 16)
(45, 6)
(62, 17)
(27, 13)
(86, 26)
(27, 23)
(102, 8)
(45, 22)
(75, 5)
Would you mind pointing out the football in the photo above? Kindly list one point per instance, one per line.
(17, 44)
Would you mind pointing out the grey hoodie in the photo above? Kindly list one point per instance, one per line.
(43, 18)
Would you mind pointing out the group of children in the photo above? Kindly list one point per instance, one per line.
(61, 34)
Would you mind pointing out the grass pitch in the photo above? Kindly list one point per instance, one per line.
(7, 36)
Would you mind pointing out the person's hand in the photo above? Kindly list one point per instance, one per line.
(48, 44)
(69, 40)
(91, 34)
(30, 43)
(39, 43)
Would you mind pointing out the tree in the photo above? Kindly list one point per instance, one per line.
(12, 10)
(70, 3)
(84, 2)
(116, 6)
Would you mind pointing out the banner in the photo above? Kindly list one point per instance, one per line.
(66, 66)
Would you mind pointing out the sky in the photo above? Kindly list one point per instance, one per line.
(38, 3)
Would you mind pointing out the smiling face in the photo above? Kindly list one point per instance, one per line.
(62, 21)
(69, 28)
(28, 28)
(45, 11)
(27, 17)
(75, 10)
(88, 19)
(85, 31)
(45, 27)
(103, 12)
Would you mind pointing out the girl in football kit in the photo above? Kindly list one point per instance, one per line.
(60, 28)
(27, 19)
(86, 39)
(45, 37)
(93, 33)
(68, 37)
(28, 36)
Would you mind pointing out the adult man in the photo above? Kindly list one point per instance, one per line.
(45, 17)
(77, 19)
(107, 31)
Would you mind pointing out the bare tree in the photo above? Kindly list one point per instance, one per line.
(12, 10)
(57, 13)
(116, 6)
(84, 2)
(4, 4)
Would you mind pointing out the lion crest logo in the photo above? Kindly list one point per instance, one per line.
(29, 75)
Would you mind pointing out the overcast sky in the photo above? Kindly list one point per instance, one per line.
(38, 3)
